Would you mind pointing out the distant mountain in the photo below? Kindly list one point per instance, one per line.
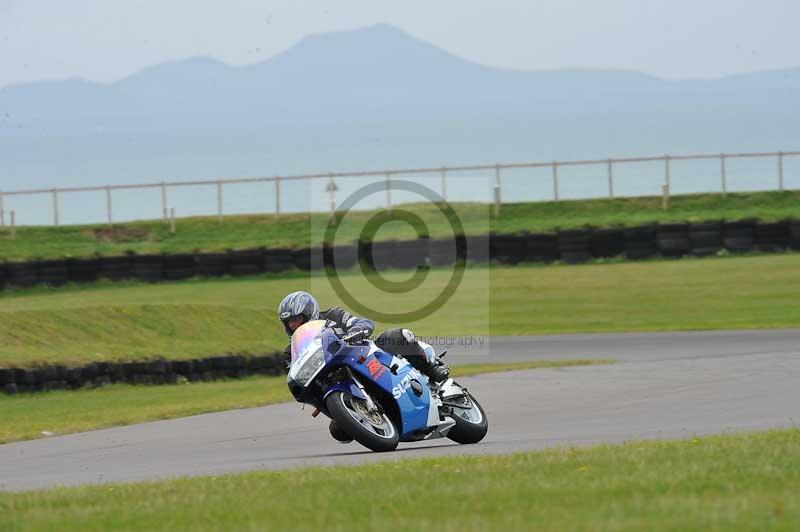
(366, 74)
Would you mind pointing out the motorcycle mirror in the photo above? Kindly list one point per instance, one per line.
(443, 353)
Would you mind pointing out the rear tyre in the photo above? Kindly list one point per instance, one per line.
(374, 431)
(471, 422)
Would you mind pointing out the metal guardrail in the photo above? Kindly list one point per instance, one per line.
(387, 175)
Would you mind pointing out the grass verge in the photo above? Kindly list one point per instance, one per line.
(198, 318)
(732, 482)
(294, 230)
(27, 416)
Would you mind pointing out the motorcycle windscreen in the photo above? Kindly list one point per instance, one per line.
(304, 337)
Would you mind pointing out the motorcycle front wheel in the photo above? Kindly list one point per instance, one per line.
(373, 430)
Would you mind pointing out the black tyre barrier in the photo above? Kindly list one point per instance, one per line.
(52, 272)
(444, 252)
(383, 255)
(400, 254)
(148, 268)
(739, 236)
(116, 268)
(365, 260)
(278, 260)
(673, 239)
(21, 274)
(83, 270)
(156, 371)
(541, 247)
(706, 238)
(412, 254)
(212, 264)
(640, 242)
(508, 249)
(478, 249)
(772, 237)
(247, 262)
(575, 245)
(341, 257)
(794, 235)
(316, 259)
(6, 376)
(608, 243)
(309, 259)
(177, 267)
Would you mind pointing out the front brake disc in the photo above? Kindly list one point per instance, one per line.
(374, 417)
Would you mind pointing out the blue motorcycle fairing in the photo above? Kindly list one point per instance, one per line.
(384, 358)
(413, 410)
(376, 368)
(371, 364)
(347, 387)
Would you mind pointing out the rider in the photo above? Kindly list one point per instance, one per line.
(300, 307)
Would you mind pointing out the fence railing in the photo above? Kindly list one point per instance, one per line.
(443, 171)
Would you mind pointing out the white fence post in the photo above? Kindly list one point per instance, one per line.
(610, 179)
(172, 220)
(444, 183)
(666, 171)
(723, 174)
(219, 200)
(109, 210)
(555, 180)
(277, 196)
(388, 191)
(2, 211)
(55, 207)
(497, 190)
(164, 200)
(780, 171)
(13, 225)
(332, 195)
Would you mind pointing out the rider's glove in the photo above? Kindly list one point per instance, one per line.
(355, 335)
(338, 315)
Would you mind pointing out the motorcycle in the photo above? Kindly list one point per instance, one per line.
(376, 398)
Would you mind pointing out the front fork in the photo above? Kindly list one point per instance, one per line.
(370, 403)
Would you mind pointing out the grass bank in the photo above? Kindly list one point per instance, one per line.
(198, 318)
(28, 416)
(295, 230)
(734, 482)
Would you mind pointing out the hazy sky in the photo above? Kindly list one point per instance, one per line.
(105, 40)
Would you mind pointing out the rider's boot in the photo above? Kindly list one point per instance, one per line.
(430, 365)
(437, 370)
(338, 434)
(403, 343)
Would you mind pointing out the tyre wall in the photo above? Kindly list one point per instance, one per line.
(569, 246)
(155, 371)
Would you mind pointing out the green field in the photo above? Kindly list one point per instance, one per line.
(295, 230)
(195, 318)
(27, 416)
(733, 482)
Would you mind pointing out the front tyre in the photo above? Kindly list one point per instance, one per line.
(373, 430)
(471, 422)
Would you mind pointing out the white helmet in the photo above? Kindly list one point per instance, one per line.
(297, 304)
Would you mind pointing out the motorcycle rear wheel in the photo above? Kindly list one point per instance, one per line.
(374, 431)
(471, 422)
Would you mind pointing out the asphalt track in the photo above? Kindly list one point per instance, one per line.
(667, 385)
